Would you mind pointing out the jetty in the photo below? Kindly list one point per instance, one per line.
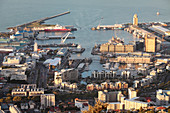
(39, 20)
(59, 45)
(109, 27)
(53, 37)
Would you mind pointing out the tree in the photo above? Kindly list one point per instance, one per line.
(29, 98)
(8, 94)
(98, 107)
(8, 99)
(1, 100)
(54, 92)
(141, 109)
(128, 111)
(125, 93)
(35, 98)
(17, 98)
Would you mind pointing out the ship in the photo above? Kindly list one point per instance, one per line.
(6, 49)
(57, 28)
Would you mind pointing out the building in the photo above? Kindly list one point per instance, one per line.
(47, 100)
(82, 104)
(134, 103)
(117, 48)
(35, 46)
(11, 60)
(117, 101)
(151, 44)
(121, 85)
(103, 74)
(163, 97)
(18, 77)
(132, 93)
(14, 109)
(65, 75)
(160, 30)
(8, 72)
(67, 85)
(134, 59)
(135, 20)
(27, 90)
(105, 96)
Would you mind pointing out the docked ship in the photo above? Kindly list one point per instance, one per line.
(57, 28)
(6, 49)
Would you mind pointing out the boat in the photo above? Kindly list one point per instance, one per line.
(57, 28)
(6, 49)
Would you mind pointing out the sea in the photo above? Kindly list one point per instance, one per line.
(84, 15)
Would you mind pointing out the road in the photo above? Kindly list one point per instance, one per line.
(38, 75)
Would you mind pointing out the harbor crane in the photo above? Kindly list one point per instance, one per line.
(64, 39)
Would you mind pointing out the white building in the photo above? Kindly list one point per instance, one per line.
(27, 90)
(11, 60)
(35, 46)
(82, 104)
(14, 109)
(116, 100)
(163, 97)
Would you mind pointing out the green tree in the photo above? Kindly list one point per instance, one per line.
(35, 98)
(29, 98)
(141, 109)
(54, 92)
(8, 94)
(125, 93)
(8, 99)
(17, 98)
(1, 100)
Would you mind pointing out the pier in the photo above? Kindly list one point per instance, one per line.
(59, 45)
(53, 37)
(39, 20)
(109, 27)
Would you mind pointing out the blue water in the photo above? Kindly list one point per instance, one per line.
(84, 15)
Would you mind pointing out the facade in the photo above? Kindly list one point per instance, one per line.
(35, 46)
(135, 20)
(134, 59)
(82, 104)
(65, 75)
(150, 44)
(67, 85)
(105, 96)
(107, 85)
(117, 101)
(121, 85)
(160, 30)
(163, 97)
(119, 48)
(132, 93)
(134, 103)
(27, 90)
(47, 100)
(11, 60)
(103, 74)
(8, 72)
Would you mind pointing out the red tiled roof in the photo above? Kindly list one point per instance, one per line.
(85, 104)
(160, 108)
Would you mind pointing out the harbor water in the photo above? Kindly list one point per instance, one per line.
(83, 16)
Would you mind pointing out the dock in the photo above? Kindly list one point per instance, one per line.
(59, 45)
(53, 37)
(39, 20)
(109, 27)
